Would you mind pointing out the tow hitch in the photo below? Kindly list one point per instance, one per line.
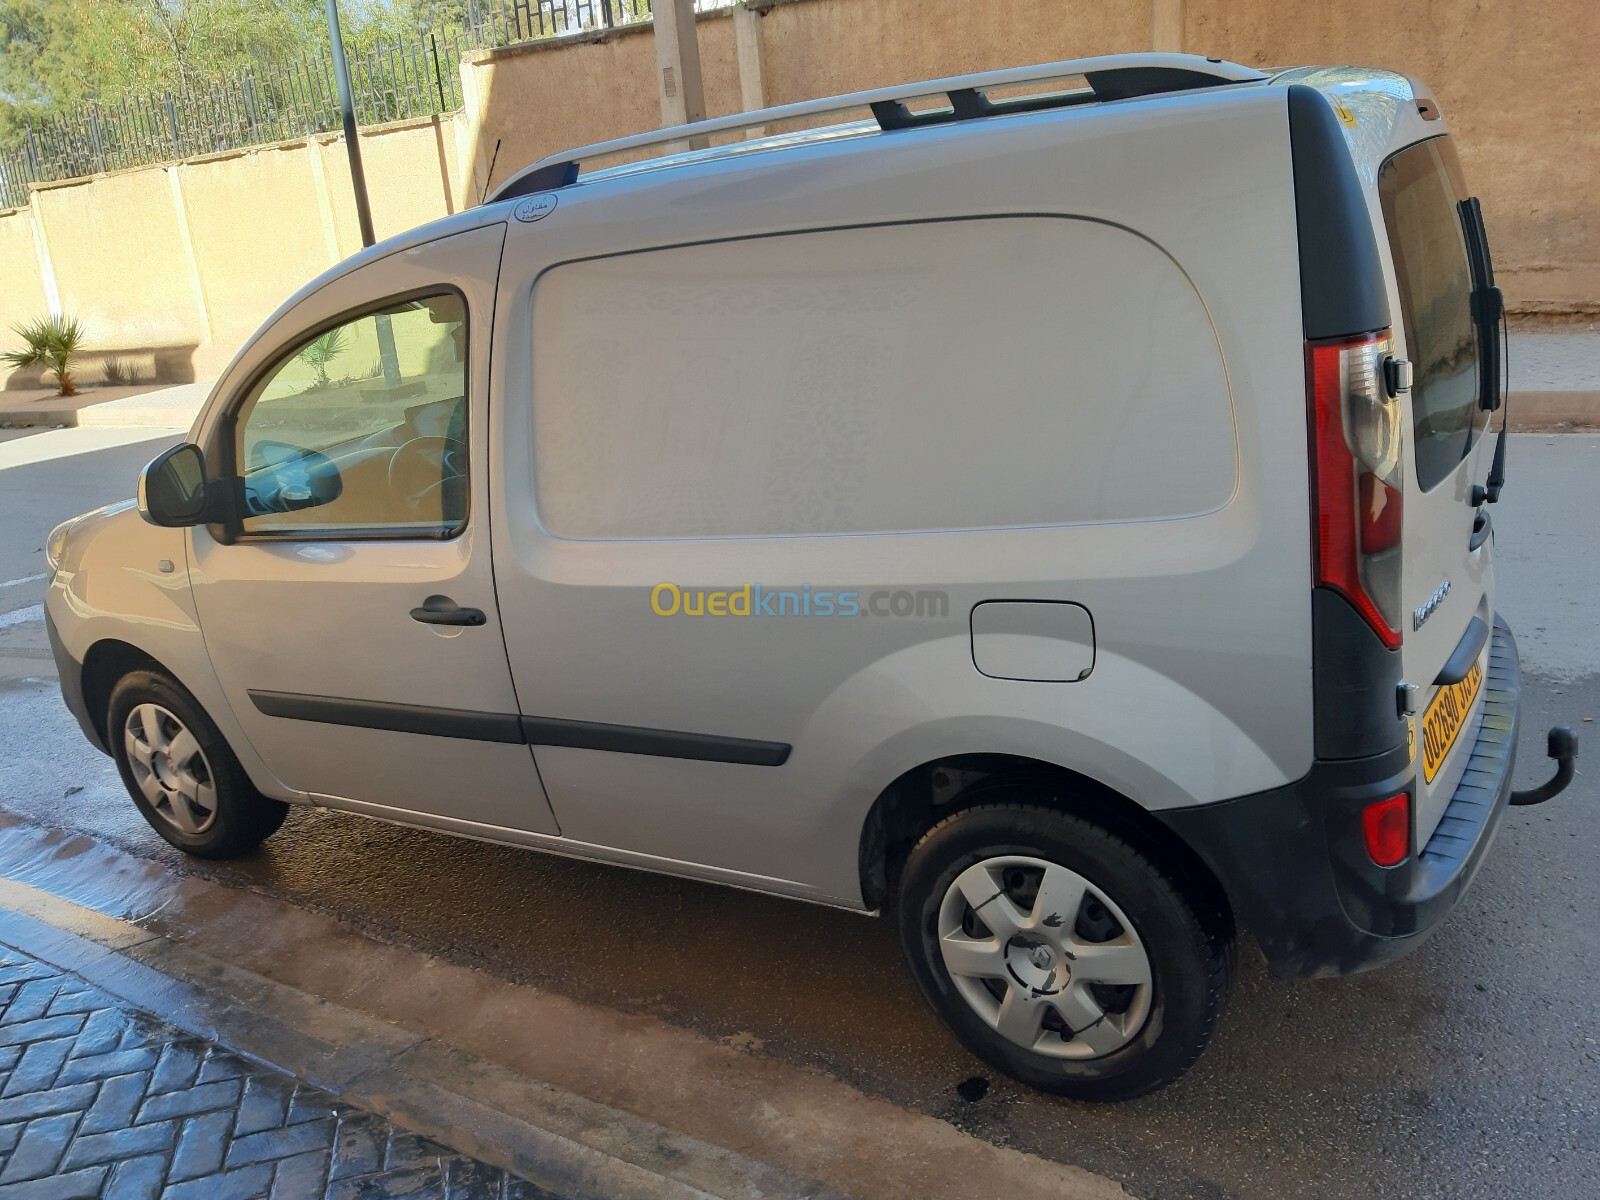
(1563, 747)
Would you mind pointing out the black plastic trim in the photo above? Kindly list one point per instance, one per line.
(1482, 528)
(662, 743)
(1294, 865)
(516, 728)
(401, 718)
(1354, 678)
(1125, 83)
(1464, 655)
(545, 179)
(1341, 274)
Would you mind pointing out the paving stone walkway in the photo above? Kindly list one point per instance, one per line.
(97, 1100)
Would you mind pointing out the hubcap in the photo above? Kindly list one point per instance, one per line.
(170, 769)
(1045, 957)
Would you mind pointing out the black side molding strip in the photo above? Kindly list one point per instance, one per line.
(401, 718)
(514, 728)
(663, 743)
(1464, 655)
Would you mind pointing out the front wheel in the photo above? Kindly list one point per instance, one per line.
(181, 773)
(1058, 953)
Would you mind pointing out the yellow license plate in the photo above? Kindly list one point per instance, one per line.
(1444, 719)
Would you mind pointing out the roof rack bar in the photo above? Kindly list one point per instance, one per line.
(1112, 76)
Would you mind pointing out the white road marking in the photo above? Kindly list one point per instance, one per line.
(22, 616)
(23, 580)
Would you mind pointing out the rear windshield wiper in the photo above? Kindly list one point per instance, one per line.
(1494, 337)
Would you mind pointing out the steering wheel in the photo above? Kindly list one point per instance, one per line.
(422, 467)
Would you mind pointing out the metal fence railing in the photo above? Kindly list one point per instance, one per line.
(391, 81)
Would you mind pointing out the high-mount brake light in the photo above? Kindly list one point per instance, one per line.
(1356, 477)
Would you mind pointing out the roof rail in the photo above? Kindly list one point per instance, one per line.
(1110, 77)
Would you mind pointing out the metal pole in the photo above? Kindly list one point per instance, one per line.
(347, 109)
(358, 179)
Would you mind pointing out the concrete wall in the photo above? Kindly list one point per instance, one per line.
(171, 267)
(197, 254)
(535, 100)
(22, 294)
(1516, 83)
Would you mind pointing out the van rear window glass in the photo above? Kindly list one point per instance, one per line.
(944, 375)
(1419, 188)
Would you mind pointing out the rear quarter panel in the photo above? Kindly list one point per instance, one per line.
(1201, 688)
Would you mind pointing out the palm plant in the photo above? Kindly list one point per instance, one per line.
(49, 342)
(323, 351)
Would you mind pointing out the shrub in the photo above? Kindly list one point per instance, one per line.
(119, 372)
(50, 342)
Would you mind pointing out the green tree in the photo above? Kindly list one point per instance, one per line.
(56, 55)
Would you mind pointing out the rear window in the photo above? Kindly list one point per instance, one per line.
(1420, 188)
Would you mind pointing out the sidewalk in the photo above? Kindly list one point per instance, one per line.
(584, 1102)
(172, 407)
(99, 1099)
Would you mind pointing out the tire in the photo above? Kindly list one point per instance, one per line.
(1153, 1021)
(180, 772)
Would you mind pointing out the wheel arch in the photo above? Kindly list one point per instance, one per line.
(106, 662)
(932, 791)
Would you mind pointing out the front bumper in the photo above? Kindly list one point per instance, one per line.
(1295, 867)
(70, 672)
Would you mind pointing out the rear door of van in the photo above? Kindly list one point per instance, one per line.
(1447, 581)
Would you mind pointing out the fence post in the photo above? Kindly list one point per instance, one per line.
(94, 136)
(172, 126)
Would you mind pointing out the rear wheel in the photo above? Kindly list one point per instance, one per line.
(181, 773)
(1058, 953)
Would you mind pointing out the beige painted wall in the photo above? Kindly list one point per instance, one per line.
(144, 262)
(1516, 83)
(258, 234)
(174, 266)
(22, 294)
(118, 256)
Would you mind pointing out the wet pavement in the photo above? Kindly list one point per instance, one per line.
(1469, 1069)
(101, 1100)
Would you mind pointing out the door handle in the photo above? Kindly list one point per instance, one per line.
(441, 610)
(1480, 530)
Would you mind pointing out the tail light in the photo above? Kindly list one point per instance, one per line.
(1386, 829)
(1356, 480)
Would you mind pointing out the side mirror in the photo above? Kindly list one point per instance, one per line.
(172, 489)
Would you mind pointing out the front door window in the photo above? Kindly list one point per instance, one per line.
(361, 429)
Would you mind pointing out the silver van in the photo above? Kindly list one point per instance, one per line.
(1052, 506)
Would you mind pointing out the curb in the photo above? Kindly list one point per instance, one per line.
(584, 1100)
(568, 1145)
(1542, 412)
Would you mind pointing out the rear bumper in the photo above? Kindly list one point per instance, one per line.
(1294, 865)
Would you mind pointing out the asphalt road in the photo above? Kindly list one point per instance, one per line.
(1470, 1069)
